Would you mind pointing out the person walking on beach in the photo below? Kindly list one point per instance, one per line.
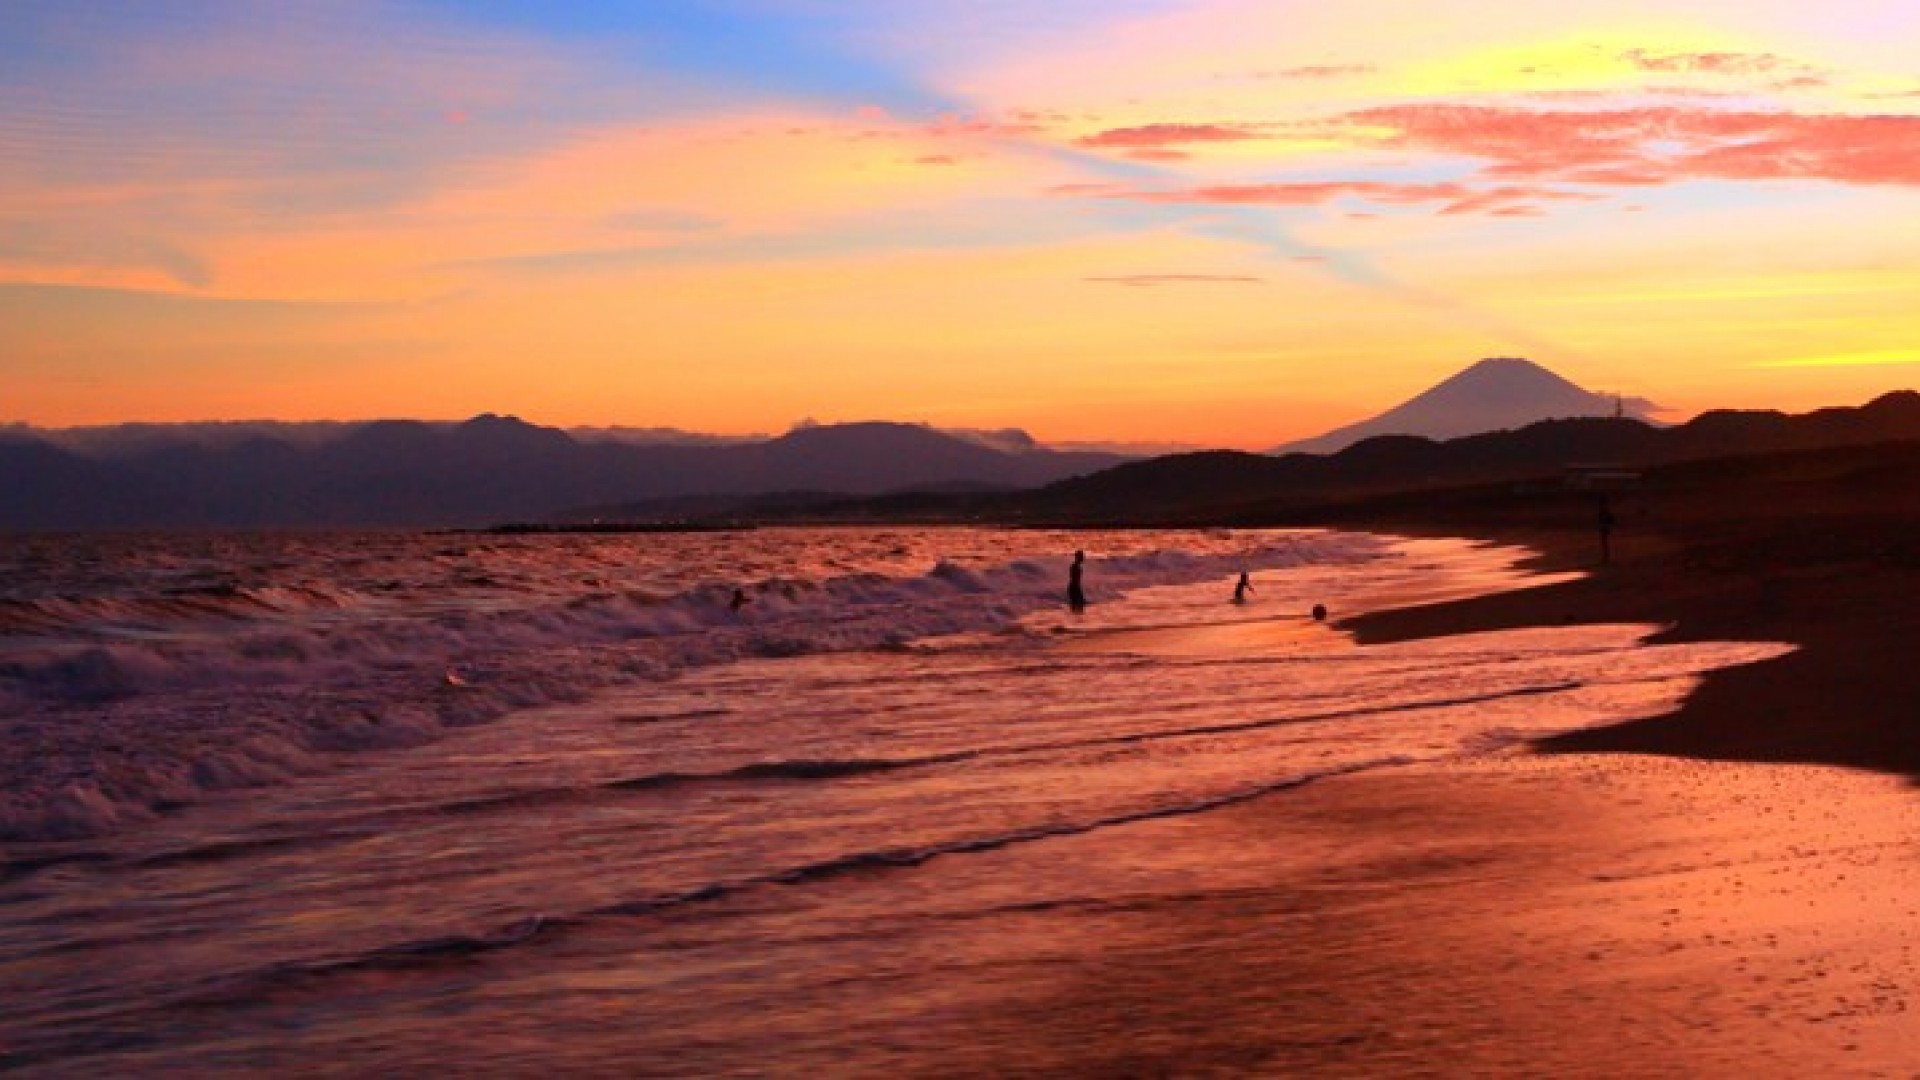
(1076, 595)
(1242, 588)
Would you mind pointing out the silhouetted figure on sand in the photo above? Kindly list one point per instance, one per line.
(1076, 594)
(1242, 588)
(1606, 523)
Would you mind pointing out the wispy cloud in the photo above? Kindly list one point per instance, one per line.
(1325, 71)
(1138, 280)
(1641, 147)
(1877, 358)
(1447, 197)
(1292, 193)
(1315, 71)
(1716, 63)
(1164, 142)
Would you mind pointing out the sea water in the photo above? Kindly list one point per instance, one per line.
(344, 803)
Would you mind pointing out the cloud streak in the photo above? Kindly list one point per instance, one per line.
(1150, 280)
(1448, 197)
(1166, 142)
(1652, 146)
(1713, 63)
(1878, 358)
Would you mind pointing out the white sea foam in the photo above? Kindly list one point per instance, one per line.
(124, 703)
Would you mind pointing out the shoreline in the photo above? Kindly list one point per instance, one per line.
(1722, 889)
(1842, 597)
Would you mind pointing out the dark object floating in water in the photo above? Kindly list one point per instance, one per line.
(1319, 613)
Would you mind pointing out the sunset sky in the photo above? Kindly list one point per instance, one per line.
(1217, 222)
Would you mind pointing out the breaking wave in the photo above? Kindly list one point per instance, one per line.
(128, 702)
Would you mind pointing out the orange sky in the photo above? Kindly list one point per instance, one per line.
(1224, 223)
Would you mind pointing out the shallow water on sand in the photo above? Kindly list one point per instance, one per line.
(788, 855)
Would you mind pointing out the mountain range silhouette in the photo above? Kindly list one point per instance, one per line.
(493, 469)
(486, 470)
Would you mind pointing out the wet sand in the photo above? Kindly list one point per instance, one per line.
(1519, 915)
(1526, 915)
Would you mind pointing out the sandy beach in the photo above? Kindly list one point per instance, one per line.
(1527, 915)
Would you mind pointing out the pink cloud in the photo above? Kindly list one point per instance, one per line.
(1449, 198)
(1512, 201)
(1319, 71)
(1717, 63)
(1305, 193)
(1659, 145)
(1530, 156)
(1687, 92)
(1165, 136)
(1019, 126)
(1566, 95)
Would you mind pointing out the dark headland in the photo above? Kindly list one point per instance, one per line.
(1818, 549)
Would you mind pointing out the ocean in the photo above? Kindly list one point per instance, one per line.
(341, 803)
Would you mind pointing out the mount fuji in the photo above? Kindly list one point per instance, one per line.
(1497, 394)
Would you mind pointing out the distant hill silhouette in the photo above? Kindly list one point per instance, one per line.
(1497, 394)
(1220, 485)
(492, 469)
(485, 470)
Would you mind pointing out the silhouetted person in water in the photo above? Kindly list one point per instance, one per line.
(739, 601)
(1076, 595)
(1319, 613)
(1606, 531)
(1242, 588)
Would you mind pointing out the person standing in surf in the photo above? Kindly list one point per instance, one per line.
(1241, 589)
(1076, 594)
